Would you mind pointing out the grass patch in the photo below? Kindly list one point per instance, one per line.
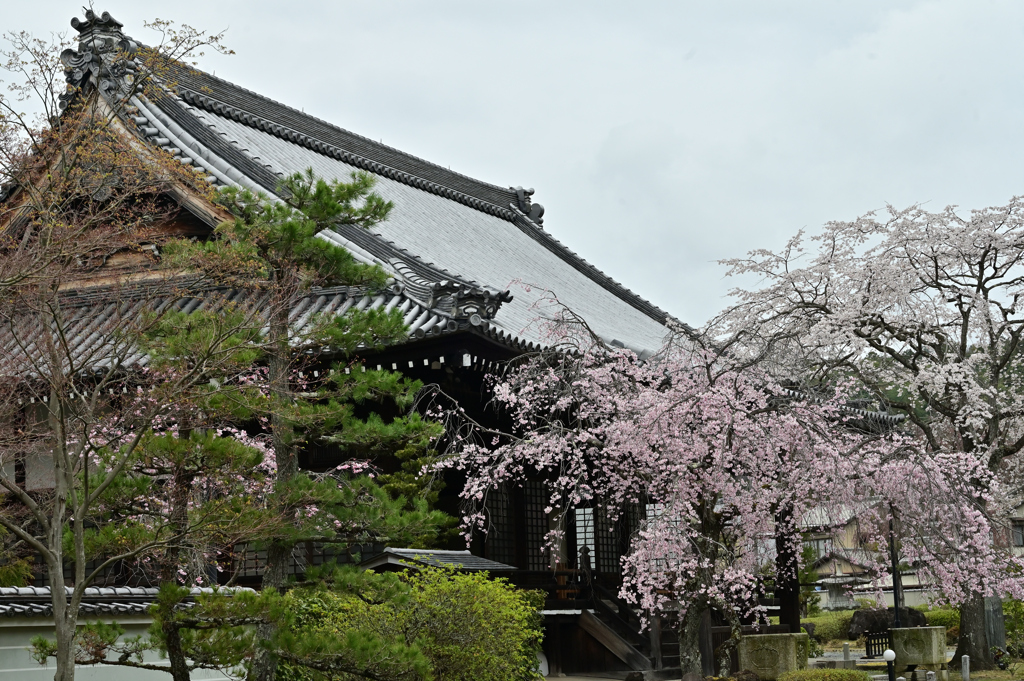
(825, 675)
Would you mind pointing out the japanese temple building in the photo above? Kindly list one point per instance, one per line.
(456, 248)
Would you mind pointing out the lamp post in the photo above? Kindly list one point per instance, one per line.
(890, 656)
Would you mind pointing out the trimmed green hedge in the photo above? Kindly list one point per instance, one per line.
(831, 626)
(948, 618)
(825, 675)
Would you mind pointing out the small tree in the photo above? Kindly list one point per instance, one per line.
(271, 249)
(79, 195)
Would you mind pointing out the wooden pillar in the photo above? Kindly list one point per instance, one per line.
(659, 662)
(787, 574)
(555, 647)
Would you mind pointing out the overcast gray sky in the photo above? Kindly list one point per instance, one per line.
(660, 136)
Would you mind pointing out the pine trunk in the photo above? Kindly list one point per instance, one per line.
(178, 519)
(279, 553)
(175, 652)
(973, 639)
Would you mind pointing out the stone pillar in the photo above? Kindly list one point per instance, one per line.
(995, 625)
(772, 655)
(920, 647)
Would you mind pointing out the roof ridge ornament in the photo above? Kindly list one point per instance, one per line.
(534, 211)
(474, 303)
(103, 58)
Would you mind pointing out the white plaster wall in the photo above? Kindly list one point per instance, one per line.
(39, 472)
(17, 665)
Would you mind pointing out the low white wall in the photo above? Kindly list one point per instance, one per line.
(17, 664)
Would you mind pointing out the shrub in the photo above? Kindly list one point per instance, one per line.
(1013, 612)
(825, 675)
(468, 627)
(832, 626)
(942, 617)
(952, 635)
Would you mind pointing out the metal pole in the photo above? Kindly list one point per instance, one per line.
(896, 581)
(892, 671)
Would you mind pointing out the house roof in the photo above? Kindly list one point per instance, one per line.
(402, 558)
(445, 227)
(862, 558)
(834, 515)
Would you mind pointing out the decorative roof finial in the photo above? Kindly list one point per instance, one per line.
(474, 303)
(103, 58)
(105, 25)
(534, 211)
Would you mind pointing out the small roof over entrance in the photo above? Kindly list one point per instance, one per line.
(400, 559)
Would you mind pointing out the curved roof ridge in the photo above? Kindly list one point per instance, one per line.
(332, 150)
(243, 105)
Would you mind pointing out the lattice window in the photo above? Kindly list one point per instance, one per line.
(653, 511)
(586, 545)
(534, 502)
(634, 520)
(607, 543)
(249, 562)
(500, 540)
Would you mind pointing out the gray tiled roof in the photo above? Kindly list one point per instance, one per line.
(480, 247)
(92, 315)
(34, 601)
(444, 225)
(437, 558)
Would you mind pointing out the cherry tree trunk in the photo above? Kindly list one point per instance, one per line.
(724, 652)
(65, 609)
(64, 631)
(973, 639)
(65, 620)
(689, 641)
